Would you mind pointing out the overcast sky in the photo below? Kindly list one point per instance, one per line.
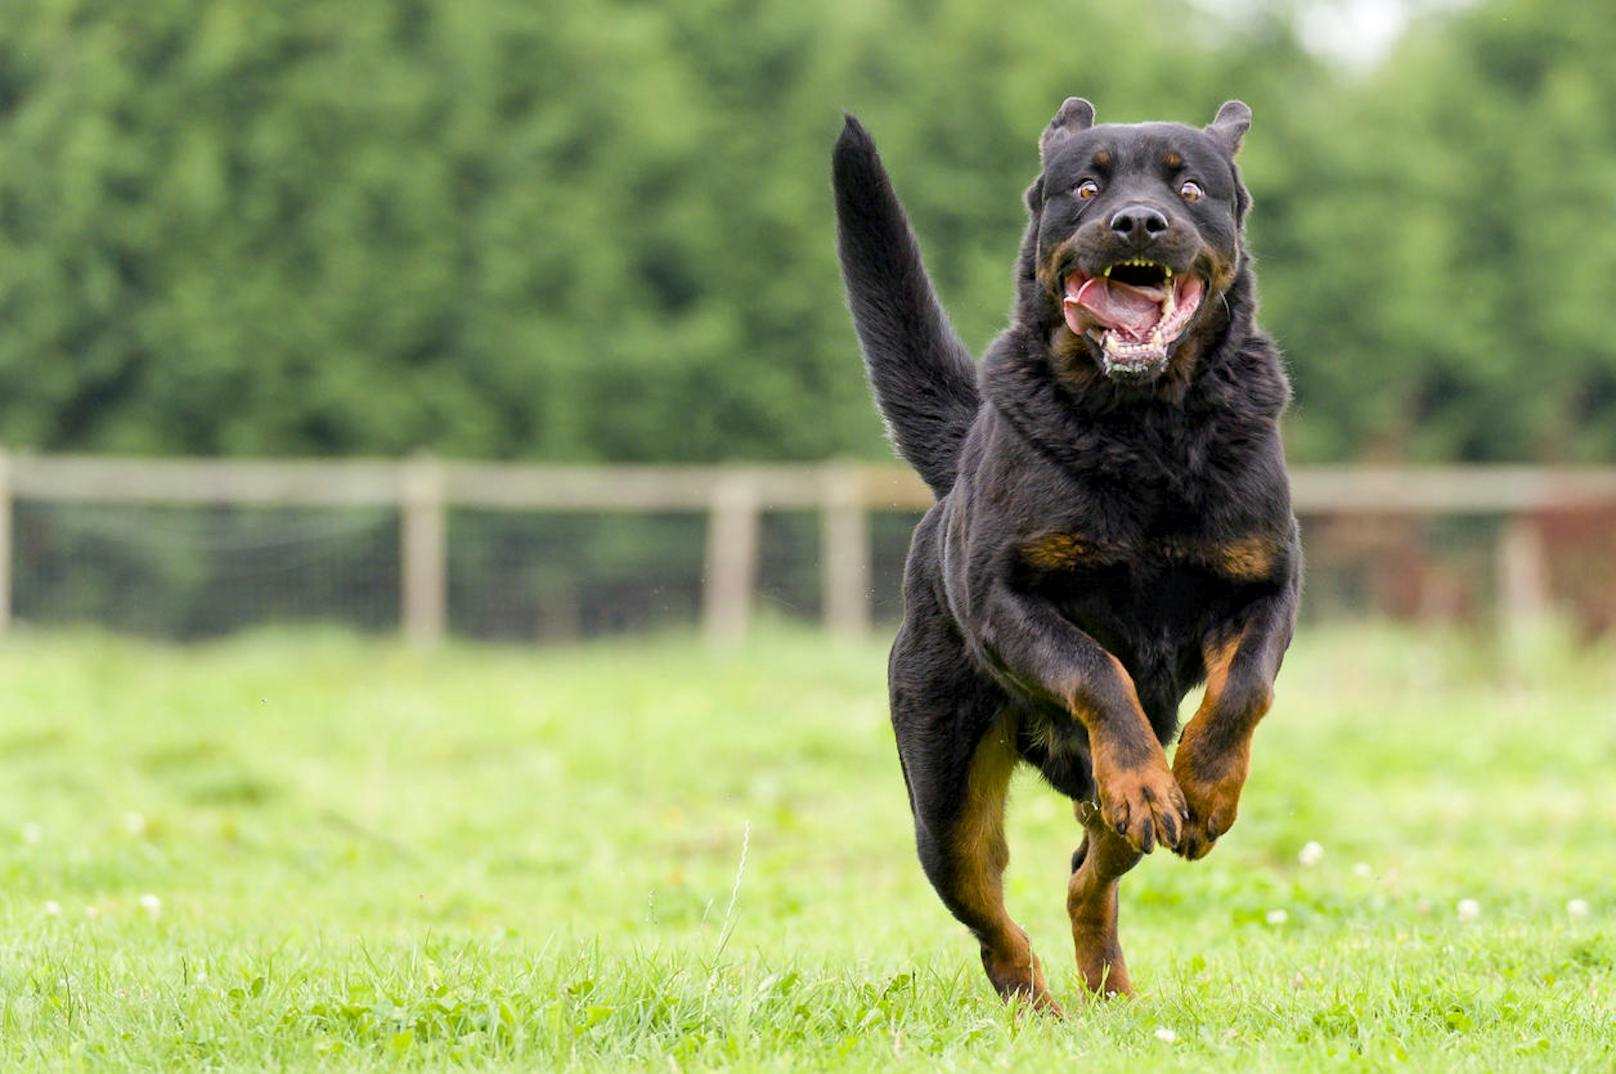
(1357, 32)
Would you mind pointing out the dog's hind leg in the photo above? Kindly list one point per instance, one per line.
(958, 752)
(957, 744)
(1091, 903)
(960, 837)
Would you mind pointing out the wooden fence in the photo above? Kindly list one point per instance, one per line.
(424, 489)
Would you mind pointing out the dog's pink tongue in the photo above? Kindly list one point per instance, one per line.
(1104, 303)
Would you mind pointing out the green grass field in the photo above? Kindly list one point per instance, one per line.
(311, 851)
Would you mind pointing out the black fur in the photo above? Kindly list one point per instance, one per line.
(1085, 512)
(924, 379)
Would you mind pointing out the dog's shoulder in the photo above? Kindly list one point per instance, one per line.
(1056, 486)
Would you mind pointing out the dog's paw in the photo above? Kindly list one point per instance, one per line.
(1143, 803)
(1018, 977)
(1213, 801)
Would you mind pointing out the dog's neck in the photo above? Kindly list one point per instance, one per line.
(1224, 385)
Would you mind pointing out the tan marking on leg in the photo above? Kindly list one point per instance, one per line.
(1091, 903)
(1218, 657)
(1138, 796)
(980, 856)
(1211, 765)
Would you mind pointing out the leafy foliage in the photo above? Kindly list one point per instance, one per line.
(601, 230)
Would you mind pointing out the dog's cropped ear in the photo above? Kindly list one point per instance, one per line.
(1035, 194)
(1074, 116)
(1229, 126)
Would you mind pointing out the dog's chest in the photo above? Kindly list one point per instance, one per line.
(1073, 554)
(1152, 592)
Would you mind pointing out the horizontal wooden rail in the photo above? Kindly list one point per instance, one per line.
(235, 482)
(1435, 490)
(1448, 490)
(733, 497)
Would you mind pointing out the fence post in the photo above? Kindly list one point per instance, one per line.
(5, 542)
(1523, 588)
(1522, 591)
(732, 549)
(423, 550)
(845, 548)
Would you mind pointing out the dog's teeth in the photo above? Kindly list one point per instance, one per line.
(1168, 271)
(1108, 269)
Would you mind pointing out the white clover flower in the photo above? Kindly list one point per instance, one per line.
(1362, 870)
(1165, 1035)
(1277, 917)
(1312, 853)
(1577, 907)
(1468, 909)
(53, 908)
(32, 833)
(134, 823)
(151, 904)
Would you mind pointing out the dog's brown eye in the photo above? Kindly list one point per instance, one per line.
(1087, 189)
(1190, 191)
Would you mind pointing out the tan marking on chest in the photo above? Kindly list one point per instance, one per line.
(1064, 551)
(1054, 551)
(1246, 558)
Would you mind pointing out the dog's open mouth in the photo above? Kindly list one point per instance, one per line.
(1135, 310)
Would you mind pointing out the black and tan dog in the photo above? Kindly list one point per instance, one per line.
(1112, 526)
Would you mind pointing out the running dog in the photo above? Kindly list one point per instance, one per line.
(1112, 526)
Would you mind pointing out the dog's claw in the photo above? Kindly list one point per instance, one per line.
(1212, 805)
(1170, 832)
(1140, 803)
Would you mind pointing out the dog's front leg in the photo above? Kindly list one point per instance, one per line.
(1214, 753)
(1036, 650)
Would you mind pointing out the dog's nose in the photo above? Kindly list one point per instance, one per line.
(1138, 223)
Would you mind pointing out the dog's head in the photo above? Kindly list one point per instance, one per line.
(1136, 236)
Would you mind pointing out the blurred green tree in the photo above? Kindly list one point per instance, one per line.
(601, 230)
(1444, 246)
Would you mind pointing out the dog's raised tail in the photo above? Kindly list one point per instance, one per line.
(923, 376)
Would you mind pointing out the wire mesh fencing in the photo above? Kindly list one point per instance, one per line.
(189, 549)
(196, 572)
